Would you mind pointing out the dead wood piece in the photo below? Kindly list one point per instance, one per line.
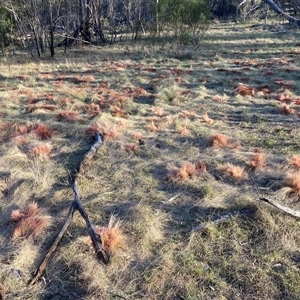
(76, 205)
(246, 212)
(171, 199)
(288, 210)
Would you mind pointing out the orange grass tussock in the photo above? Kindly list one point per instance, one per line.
(184, 131)
(131, 148)
(41, 150)
(112, 237)
(118, 111)
(218, 140)
(294, 161)
(84, 78)
(257, 161)
(43, 131)
(293, 182)
(102, 128)
(68, 116)
(29, 221)
(152, 127)
(236, 172)
(137, 136)
(176, 174)
(188, 113)
(27, 211)
(186, 171)
(20, 140)
(286, 109)
(219, 98)
(245, 90)
(158, 111)
(207, 119)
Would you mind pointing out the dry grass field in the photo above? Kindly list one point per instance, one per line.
(190, 134)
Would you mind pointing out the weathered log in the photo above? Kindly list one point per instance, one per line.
(288, 210)
(76, 205)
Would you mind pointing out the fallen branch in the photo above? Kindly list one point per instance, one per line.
(76, 205)
(288, 210)
(275, 8)
(247, 212)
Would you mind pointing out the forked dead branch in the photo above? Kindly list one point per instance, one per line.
(76, 205)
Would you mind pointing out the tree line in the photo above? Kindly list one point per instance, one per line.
(43, 25)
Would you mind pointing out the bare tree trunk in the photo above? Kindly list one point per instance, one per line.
(51, 29)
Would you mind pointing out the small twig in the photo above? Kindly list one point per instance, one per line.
(241, 212)
(288, 210)
(171, 199)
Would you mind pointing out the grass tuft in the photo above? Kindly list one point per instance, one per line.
(184, 131)
(286, 109)
(207, 119)
(29, 221)
(293, 182)
(257, 161)
(218, 140)
(41, 150)
(103, 128)
(294, 161)
(43, 131)
(169, 94)
(236, 172)
(68, 116)
(27, 211)
(112, 236)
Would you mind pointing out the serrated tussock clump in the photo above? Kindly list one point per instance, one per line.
(103, 128)
(294, 161)
(257, 161)
(112, 236)
(218, 140)
(186, 171)
(236, 172)
(42, 150)
(292, 181)
(29, 221)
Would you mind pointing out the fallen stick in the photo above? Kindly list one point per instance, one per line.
(76, 205)
(241, 212)
(288, 210)
(171, 199)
